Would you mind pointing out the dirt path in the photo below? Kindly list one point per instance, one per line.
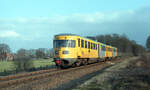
(101, 81)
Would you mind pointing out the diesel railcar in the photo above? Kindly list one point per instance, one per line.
(74, 50)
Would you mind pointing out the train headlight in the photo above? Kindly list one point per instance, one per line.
(65, 52)
(56, 52)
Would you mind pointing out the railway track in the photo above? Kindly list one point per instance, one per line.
(17, 80)
(6, 78)
(23, 77)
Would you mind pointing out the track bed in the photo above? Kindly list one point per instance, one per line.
(50, 79)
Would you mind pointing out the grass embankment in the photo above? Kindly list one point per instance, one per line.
(134, 76)
(10, 65)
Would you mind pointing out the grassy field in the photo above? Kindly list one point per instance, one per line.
(7, 65)
(10, 66)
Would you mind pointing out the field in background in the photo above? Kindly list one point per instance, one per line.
(10, 66)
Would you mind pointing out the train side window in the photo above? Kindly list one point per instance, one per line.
(79, 42)
(96, 46)
(93, 45)
(85, 44)
(103, 48)
(110, 49)
(82, 43)
(89, 45)
(114, 50)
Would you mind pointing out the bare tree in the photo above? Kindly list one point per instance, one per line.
(4, 49)
(40, 53)
(32, 53)
(148, 43)
(22, 60)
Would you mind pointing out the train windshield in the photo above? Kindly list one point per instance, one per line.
(64, 43)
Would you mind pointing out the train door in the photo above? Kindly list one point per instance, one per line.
(114, 52)
(106, 51)
(102, 50)
(98, 51)
(79, 47)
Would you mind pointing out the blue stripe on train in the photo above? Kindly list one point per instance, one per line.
(102, 54)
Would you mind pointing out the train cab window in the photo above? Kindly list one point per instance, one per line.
(89, 45)
(85, 44)
(78, 42)
(82, 43)
(64, 43)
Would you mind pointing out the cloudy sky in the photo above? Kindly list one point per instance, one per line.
(33, 23)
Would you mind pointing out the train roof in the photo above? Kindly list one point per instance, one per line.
(69, 34)
(66, 34)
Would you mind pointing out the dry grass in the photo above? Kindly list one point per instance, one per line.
(135, 76)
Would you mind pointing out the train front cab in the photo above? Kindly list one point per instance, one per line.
(65, 50)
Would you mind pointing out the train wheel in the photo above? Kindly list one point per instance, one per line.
(78, 64)
(74, 65)
(85, 62)
(63, 65)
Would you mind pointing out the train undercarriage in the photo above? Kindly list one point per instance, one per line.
(65, 63)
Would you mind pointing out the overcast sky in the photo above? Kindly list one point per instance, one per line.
(33, 23)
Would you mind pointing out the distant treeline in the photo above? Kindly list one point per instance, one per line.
(125, 46)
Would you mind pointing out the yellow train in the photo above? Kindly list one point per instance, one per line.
(74, 50)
